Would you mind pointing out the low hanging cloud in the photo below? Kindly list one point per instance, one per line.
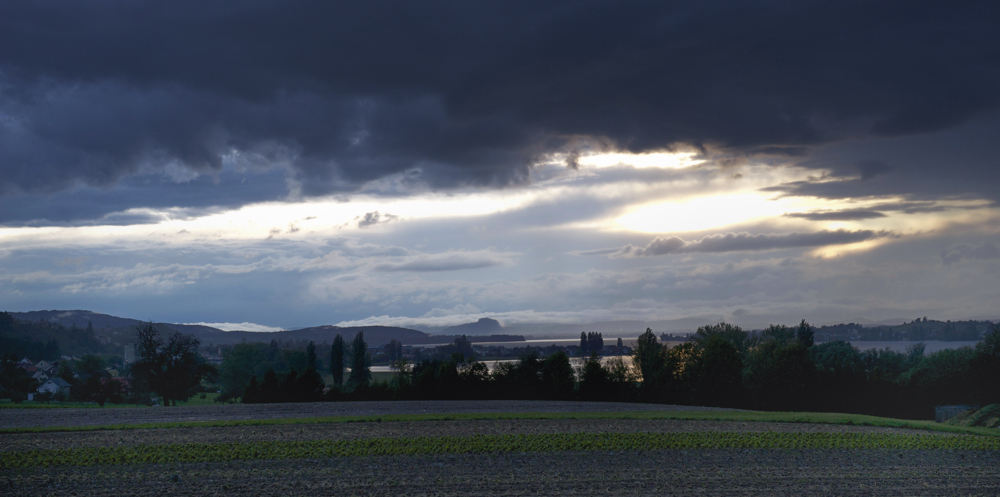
(373, 218)
(843, 215)
(452, 260)
(966, 251)
(244, 326)
(732, 242)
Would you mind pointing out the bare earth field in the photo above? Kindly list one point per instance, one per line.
(636, 472)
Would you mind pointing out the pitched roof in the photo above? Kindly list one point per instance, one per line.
(59, 382)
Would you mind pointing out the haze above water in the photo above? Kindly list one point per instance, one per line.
(896, 346)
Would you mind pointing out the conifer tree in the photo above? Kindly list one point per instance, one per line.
(360, 362)
(337, 360)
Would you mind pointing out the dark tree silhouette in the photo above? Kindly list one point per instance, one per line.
(269, 392)
(648, 357)
(557, 376)
(593, 379)
(986, 367)
(360, 362)
(804, 334)
(309, 386)
(311, 355)
(337, 360)
(173, 370)
(718, 372)
(252, 391)
(286, 392)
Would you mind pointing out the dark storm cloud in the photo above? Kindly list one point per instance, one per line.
(958, 162)
(872, 168)
(95, 206)
(966, 251)
(731, 242)
(468, 92)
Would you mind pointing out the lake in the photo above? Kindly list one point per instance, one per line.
(896, 346)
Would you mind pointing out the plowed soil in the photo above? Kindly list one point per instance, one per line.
(701, 472)
(662, 472)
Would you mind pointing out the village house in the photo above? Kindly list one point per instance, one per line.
(55, 386)
(46, 366)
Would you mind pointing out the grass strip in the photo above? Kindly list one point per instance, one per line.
(748, 416)
(482, 444)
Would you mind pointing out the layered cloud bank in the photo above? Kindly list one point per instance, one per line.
(317, 162)
(732, 242)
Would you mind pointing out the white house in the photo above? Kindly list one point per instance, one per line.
(54, 386)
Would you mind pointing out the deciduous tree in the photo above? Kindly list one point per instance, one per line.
(173, 370)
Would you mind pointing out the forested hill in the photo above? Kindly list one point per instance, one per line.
(40, 340)
(76, 318)
(113, 332)
(916, 330)
(376, 336)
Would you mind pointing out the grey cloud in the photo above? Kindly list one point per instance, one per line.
(966, 251)
(466, 93)
(373, 218)
(872, 168)
(842, 215)
(731, 242)
(957, 162)
(605, 251)
(88, 206)
(446, 261)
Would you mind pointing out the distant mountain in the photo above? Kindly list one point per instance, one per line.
(119, 330)
(916, 330)
(375, 336)
(485, 326)
(78, 318)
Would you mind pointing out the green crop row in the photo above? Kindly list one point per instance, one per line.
(754, 416)
(479, 444)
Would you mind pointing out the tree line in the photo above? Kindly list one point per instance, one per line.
(722, 365)
(779, 368)
(782, 368)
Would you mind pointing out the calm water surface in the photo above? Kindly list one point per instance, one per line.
(896, 346)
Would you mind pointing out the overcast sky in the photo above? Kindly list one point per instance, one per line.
(287, 164)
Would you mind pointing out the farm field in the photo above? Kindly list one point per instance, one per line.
(575, 449)
(22, 418)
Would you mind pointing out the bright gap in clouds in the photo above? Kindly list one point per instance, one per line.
(701, 213)
(671, 160)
